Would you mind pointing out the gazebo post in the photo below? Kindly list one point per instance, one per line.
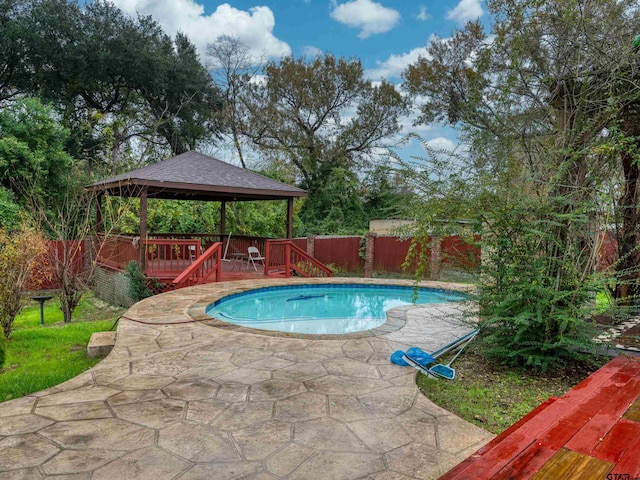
(143, 228)
(290, 217)
(223, 219)
(98, 226)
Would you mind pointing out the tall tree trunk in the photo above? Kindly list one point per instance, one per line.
(628, 251)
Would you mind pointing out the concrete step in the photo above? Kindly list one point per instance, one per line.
(101, 344)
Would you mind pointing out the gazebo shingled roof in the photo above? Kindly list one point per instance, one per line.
(194, 176)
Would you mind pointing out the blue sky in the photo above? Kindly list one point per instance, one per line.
(386, 35)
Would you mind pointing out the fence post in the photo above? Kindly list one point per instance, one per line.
(287, 259)
(369, 253)
(267, 256)
(311, 245)
(436, 258)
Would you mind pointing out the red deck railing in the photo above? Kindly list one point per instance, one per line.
(169, 258)
(284, 257)
(205, 269)
(238, 243)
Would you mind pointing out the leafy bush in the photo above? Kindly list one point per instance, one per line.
(20, 256)
(138, 284)
(533, 300)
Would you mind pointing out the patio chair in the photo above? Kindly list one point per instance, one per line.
(192, 253)
(255, 256)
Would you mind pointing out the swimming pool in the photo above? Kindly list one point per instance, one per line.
(321, 309)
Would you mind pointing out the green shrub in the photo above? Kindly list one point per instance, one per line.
(138, 283)
(537, 285)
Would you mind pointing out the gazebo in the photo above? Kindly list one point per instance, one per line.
(188, 176)
(194, 176)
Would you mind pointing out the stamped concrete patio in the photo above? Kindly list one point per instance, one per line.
(184, 397)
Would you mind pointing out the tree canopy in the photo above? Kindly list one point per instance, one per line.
(326, 120)
(112, 77)
(547, 108)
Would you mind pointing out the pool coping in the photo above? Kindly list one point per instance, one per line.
(395, 320)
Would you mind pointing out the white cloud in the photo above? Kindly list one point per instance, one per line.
(253, 27)
(423, 15)
(465, 10)
(441, 144)
(393, 66)
(370, 17)
(310, 51)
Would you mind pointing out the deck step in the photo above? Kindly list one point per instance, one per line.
(101, 344)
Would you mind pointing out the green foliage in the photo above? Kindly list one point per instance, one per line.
(13, 58)
(539, 108)
(335, 205)
(118, 82)
(33, 160)
(9, 210)
(138, 283)
(534, 295)
(299, 114)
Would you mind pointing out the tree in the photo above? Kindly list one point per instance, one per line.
(33, 160)
(115, 78)
(323, 117)
(536, 104)
(69, 225)
(232, 70)
(20, 256)
(13, 68)
(184, 99)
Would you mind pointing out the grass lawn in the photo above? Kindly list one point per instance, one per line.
(40, 357)
(494, 397)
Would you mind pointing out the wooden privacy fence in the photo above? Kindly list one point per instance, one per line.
(59, 253)
(166, 256)
(388, 253)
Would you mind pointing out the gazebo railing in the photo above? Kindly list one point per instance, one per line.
(283, 256)
(168, 258)
(206, 268)
(238, 243)
(163, 258)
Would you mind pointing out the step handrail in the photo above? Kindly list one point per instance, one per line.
(200, 269)
(290, 266)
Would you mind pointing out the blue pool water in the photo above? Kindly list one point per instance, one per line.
(321, 309)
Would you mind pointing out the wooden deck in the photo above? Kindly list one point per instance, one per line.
(591, 432)
(232, 269)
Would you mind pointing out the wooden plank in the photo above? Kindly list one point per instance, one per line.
(569, 408)
(567, 427)
(620, 369)
(529, 461)
(569, 465)
(617, 441)
(618, 398)
(462, 466)
(634, 411)
(629, 464)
